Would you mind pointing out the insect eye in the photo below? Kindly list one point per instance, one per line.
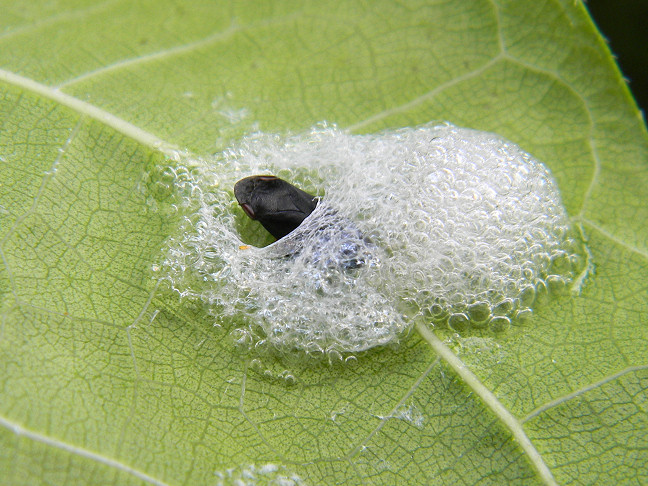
(267, 178)
(248, 210)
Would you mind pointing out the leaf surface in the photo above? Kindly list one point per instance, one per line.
(105, 378)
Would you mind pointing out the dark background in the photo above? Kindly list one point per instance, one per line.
(624, 23)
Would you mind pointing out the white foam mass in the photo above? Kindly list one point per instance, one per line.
(452, 225)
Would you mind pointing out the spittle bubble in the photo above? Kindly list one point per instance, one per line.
(456, 226)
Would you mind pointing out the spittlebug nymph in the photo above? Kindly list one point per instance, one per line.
(279, 206)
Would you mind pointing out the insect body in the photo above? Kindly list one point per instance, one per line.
(279, 206)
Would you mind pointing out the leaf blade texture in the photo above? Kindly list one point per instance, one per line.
(107, 379)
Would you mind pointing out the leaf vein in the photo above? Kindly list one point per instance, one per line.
(232, 29)
(591, 124)
(424, 97)
(581, 391)
(174, 51)
(490, 400)
(614, 238)
(79, 451)
(94, 112)
(47, 176)
(77, 14)
(401, 402)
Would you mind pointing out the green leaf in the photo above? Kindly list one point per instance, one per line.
(106, 378)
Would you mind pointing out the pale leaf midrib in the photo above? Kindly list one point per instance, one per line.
(490, 400)
(91, 111)
(20, 431)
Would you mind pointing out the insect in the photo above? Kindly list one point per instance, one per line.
(279, 206)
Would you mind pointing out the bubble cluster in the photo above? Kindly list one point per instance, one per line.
(254, 475)
(452, 225)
